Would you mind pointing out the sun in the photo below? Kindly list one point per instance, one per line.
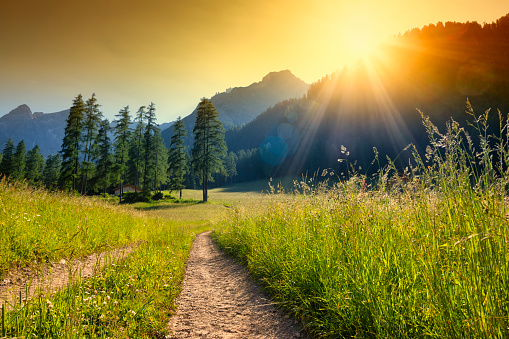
(361, 44)
(362, 36)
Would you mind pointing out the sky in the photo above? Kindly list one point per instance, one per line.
(173, 53)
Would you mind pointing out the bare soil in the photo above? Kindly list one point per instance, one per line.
(219, 300)
(53, 276)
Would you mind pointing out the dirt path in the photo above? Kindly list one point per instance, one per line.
(54, 276)
(219, 300)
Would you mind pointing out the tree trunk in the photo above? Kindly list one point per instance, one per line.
(122, 187)
(205, 187)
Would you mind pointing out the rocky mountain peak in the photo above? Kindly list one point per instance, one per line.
(281, 75)
(20, 112)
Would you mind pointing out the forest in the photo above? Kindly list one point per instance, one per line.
(378, 103)
(376, 106)
(91, 162)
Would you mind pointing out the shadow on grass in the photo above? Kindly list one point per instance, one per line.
(254, 186)
(167, 206)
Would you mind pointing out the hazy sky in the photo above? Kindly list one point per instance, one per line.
(132, 52)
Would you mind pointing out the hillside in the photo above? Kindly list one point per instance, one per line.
(43, 129)
(240, 105)
(374, 103)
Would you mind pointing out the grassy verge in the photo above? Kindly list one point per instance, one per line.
(132, 298)
(429, 258)
(36, 226)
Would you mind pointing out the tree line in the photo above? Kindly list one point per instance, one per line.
(97, 156)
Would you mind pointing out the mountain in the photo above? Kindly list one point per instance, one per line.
(374, 103)
(240, 105)
(43, 129)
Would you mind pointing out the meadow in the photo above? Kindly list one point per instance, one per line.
(391, 258)
(422, 254)
(133, 297)
(130, 298)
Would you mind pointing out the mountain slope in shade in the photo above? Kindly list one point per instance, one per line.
(240, 105)
(373, 104)
(43, 129)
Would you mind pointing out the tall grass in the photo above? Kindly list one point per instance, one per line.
(37, 225)
(129, 298)
(427, 258)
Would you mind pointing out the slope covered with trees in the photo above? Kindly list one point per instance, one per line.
(374, 102)
(240, 105)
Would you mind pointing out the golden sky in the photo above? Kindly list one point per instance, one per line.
(132, 52)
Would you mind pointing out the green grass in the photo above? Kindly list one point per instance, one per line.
(428, 259)
(36, 226)
(133, 298)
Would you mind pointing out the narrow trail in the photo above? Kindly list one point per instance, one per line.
(54, 276)
(219, 300)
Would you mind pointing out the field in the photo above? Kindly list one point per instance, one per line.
(419, 255)
(422, 257)
(134, 297)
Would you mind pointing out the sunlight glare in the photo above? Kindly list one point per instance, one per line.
(362, 37)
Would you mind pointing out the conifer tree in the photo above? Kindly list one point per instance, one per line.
(231, 166)
(136, 151)
(160, 159)
(6, 163)
(104, 157)
(91, 122)
(149, 147)
(51, 171)
(71, 145)
(122, 136)
(34, 165)
(18, 162)
(177, 156)
(209, 147)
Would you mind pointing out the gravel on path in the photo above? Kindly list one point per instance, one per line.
(219, 300)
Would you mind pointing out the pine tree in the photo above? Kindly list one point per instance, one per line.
(136, 150)
(122, 136)
(71, 145)
(177, 156)
(34, 165)
(18, 162)
(149, 147)
(51, 171)
(104, 157)
(160, 159)
(231, 166)
(90, 126)
(6, 163)
(209, 147)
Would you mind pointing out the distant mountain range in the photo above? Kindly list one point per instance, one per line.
(374, 103)
(240, 105)
(237, 106)
(43, 129)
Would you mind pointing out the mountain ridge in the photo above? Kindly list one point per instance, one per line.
(239, 105)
